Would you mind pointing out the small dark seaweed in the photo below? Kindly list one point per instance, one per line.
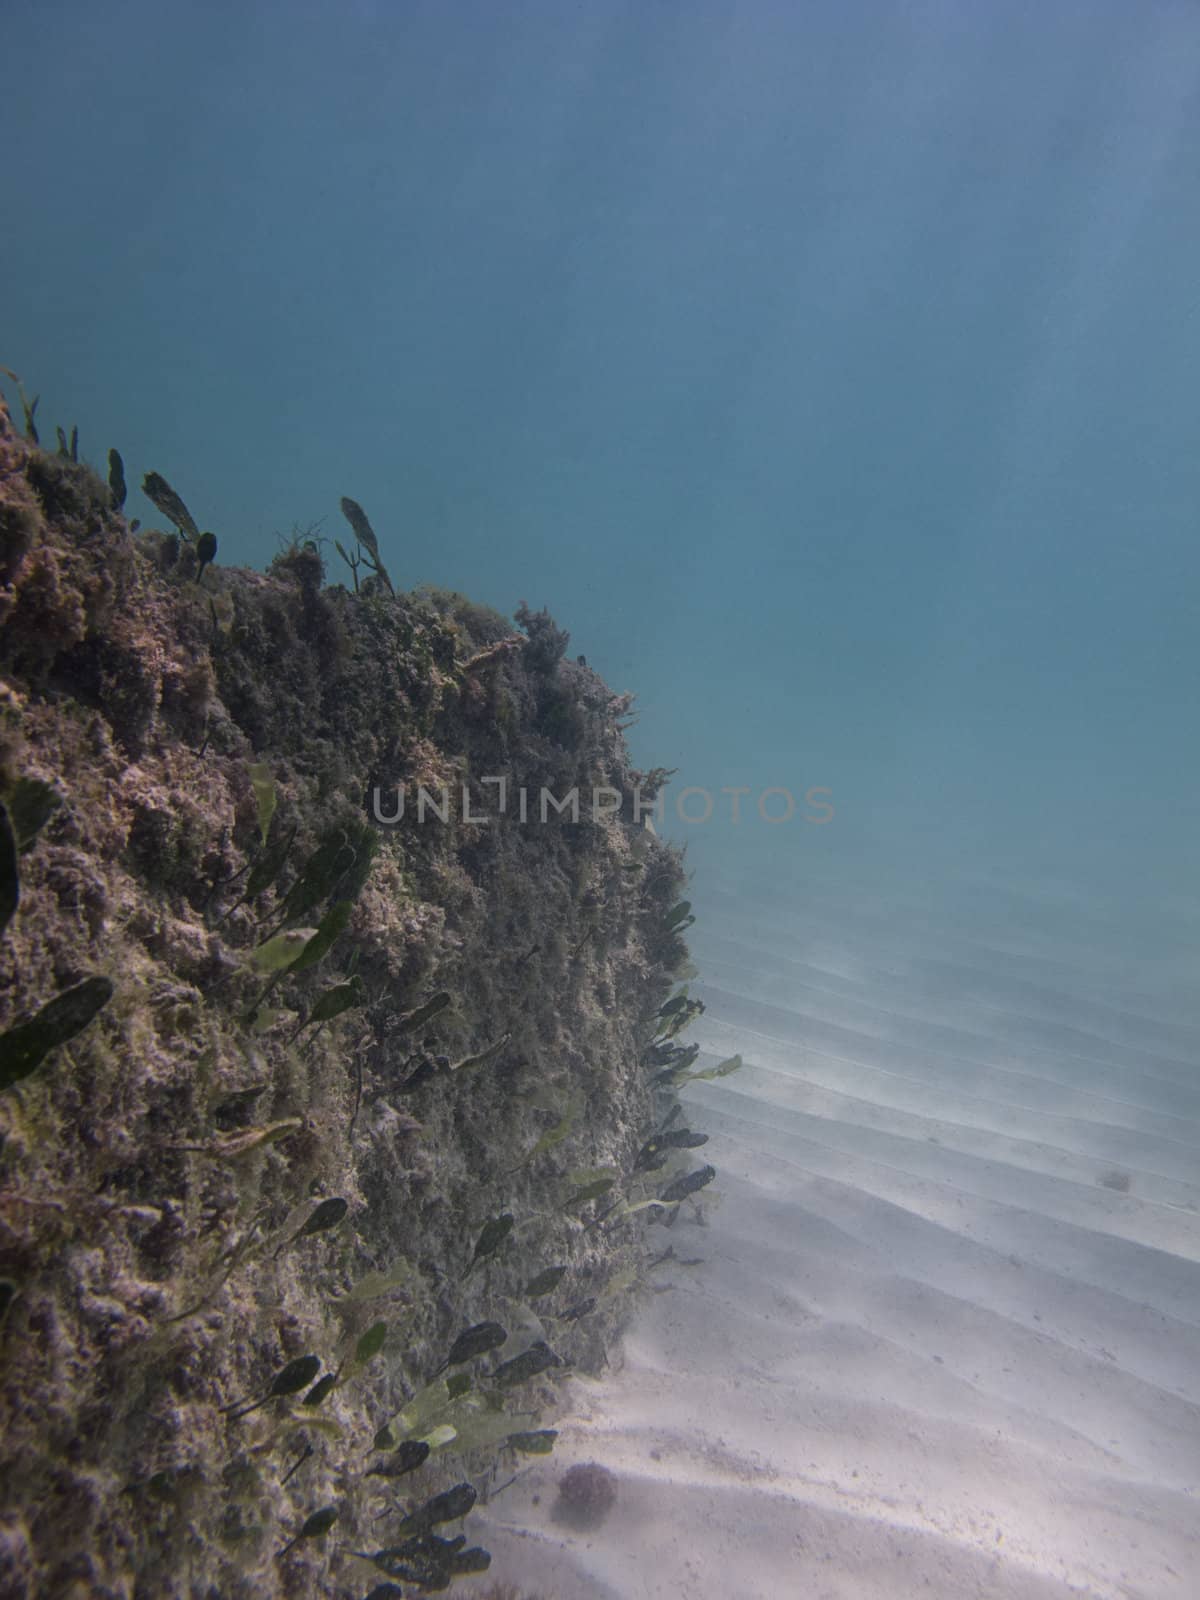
(31, 803)
(206, 552)
(327, 1215)
(26, 1045)
(545, 1283)
(290, 1379)
(472, 1342)
(688, 1184)
(10, 878)
(320, 1390)
(407, 1457)
(116, 478)
(155, 487)
(538, 1358)
(445, 1507)
(494, 1233)
(315, 1526)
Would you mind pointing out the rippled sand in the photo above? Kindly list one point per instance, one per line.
(946, 1337)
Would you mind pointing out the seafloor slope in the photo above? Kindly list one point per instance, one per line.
(946, 1339)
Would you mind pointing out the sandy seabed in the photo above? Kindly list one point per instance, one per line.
(945, 1340)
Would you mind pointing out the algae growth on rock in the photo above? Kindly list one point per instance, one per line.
(331, 1052)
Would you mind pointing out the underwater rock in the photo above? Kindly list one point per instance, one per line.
(206, 756)
(587, 1492)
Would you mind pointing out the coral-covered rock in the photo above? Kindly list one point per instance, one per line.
(157, 1170)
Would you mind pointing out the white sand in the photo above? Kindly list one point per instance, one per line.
(929, 1353)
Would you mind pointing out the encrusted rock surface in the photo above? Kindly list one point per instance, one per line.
(145, 1246)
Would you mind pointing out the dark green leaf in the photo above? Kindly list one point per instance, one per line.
(445, 1507)
(371, 1343)
(155, 487)
(329, 930)
(475, 1341)
(327, 1215)
(320, 1390)
(116, 478)
(206, 551)
(492, 1236)
(538, 1358)
(423, 1014)
(320, 1522)
(10, 878)
(688, 1184)
(589, 1192)
(263, 785)
(545, 1283)
(406, 1458)
(365, 534)
(26, 1045)
(332, 857)
(297, 1375)
(31, 803)
(334, 1001)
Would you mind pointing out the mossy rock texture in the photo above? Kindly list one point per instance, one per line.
(166, 1249)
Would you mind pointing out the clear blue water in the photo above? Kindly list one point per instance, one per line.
(829, 370)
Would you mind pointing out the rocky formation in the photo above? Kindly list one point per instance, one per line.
(438, 1023)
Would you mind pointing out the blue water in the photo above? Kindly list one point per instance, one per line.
(829, 370)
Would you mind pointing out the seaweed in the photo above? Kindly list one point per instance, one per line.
(27, 1044)
(156, 488)
(425, 1560)
(30, 804)
(320, 1390)
(576, 1102)
(546, 642)
(406, 1458)
(315, 1527)
(540, 1442)
(448, 1506)
(289, 1380)
(116, 479)
(370, 1344)
(10, 878)
(655, 1151)
(27, 407)
(590, 1191)
(492, 1236)
(537, 1359)
(263, 785)
(332, 866)
(483, 1055)
(545, 1283)
(206, 552)
(268, 864)
(423, 1013)
(473, 1342)
(331, 1003)
(375, 1284)
(330, 928)
(229, 1147)
(365, 534)
(327, 1215)
(687, 1185)
(676, 1015)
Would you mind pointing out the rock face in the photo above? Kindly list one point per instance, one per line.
(216, 747)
